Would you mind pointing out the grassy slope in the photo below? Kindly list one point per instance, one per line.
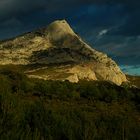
(33, 109)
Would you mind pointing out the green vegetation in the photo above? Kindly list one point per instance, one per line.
(32, 109)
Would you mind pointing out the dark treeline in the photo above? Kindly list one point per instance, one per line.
(33, 109)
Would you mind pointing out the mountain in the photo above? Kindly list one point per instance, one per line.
(57, 53)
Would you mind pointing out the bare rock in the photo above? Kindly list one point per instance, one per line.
(58, 45)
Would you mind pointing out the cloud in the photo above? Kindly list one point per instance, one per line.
(16, 7)
(96, 13)
(111, 26)
(124, 50)
(103, 32)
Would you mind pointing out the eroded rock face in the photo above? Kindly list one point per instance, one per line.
(80, 72)
(58, 45)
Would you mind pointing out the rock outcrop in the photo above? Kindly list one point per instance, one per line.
(58, 47)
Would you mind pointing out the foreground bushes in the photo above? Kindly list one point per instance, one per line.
(46, 110)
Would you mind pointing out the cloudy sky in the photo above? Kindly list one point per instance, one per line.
(111, 26)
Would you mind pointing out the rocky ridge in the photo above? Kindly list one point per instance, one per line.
(61, 55)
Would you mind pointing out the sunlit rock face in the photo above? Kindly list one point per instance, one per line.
(57, 45)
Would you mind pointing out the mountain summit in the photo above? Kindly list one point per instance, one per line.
(57, 53)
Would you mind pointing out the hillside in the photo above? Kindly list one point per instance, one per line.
(33, 109)
(57, 53)
(135, 80)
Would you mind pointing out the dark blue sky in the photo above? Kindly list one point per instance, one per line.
(111, 26)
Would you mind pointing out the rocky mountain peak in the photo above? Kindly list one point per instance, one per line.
(59, 29)
(60, 26)
(69, 56)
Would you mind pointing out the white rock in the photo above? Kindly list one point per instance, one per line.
(58, 44)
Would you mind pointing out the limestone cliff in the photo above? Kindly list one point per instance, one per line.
(62, 53)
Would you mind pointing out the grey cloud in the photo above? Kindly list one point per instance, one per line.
(125, 50)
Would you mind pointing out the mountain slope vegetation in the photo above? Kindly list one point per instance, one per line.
(33, 109)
